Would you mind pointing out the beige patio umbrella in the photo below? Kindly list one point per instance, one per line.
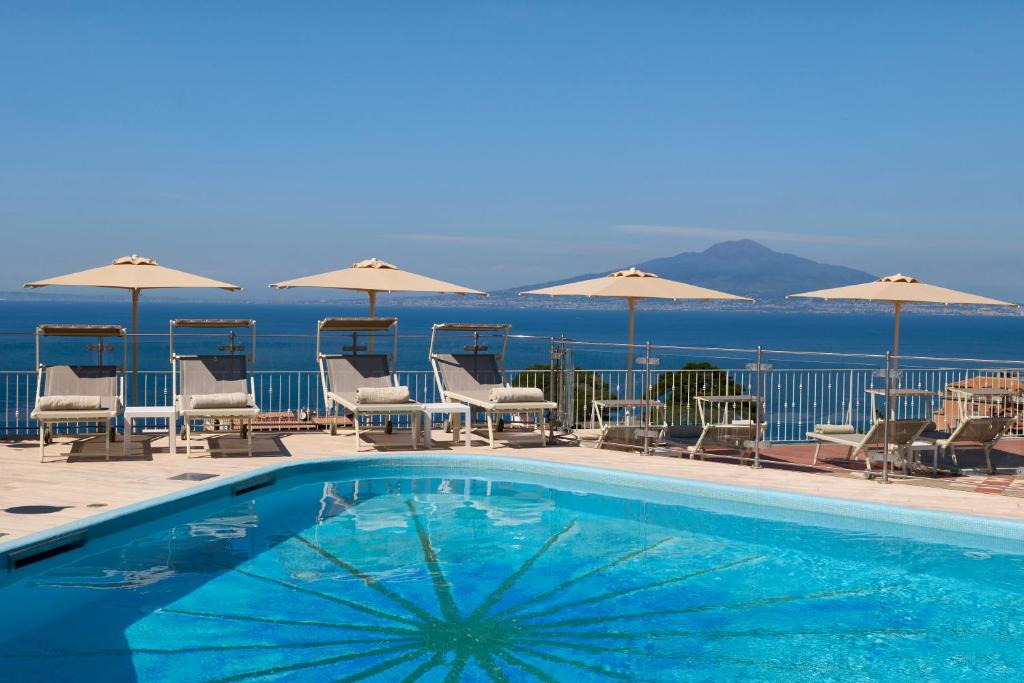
(633, 285)
(374, 276)
(901, 289)
(134, 273)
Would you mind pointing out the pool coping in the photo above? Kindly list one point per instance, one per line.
(103, 524)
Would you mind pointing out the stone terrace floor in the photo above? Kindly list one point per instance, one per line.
(77, 481)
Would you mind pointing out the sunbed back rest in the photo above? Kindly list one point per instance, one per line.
(980, 429)
(83, 380)
(901, 432)
(469, 371)
(212, 375)
(348, 373)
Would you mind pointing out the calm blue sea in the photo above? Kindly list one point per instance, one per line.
(286, 332)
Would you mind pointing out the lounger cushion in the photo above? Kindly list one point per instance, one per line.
(231, 400)
(834, 429)
(515, 395)
(380, 395)
(70, 403)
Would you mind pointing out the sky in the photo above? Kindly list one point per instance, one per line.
(503, 143)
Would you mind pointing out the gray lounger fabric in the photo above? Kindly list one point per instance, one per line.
(210, 375)
(83, 380)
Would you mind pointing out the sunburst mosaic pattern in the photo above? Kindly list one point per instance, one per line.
(436, 580)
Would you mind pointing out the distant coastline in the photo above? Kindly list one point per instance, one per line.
(503, 301)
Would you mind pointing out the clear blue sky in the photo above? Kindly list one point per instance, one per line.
(500, 143)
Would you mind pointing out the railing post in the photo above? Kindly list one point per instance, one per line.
(554, 386)
(647, 398)
(885, 432)
(757, 408)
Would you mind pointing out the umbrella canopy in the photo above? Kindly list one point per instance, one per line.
(373, 276)
(900, 289)
(134, 273)
(632, 285)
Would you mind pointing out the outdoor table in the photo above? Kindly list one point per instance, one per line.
(599, 404)
(965, 396)
(894, 392)
(916, 451)
(704, 401)
(132, 413)
(458, 411)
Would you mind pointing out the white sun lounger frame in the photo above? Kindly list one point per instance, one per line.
(490, 409)
(246, 416)
(105, 416)
(334, 398)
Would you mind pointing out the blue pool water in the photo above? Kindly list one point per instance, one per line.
(454, 573)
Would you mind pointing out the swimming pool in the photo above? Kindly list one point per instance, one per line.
(452, 568)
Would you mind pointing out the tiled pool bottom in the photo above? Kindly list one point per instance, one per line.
(403, 569)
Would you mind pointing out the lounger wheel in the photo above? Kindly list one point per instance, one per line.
(389, 427)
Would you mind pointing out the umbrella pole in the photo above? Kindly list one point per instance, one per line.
(373, 314)
(135, 346)
(896, 333)
(629, 360)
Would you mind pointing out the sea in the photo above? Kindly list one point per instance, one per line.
(286, 334)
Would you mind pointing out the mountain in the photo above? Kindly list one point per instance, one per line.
(741, 267)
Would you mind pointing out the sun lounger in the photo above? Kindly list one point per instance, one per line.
(477, 379)
(78, 393)
(215, 389)
(68, 394)
(902, 435)
(976, 432)
(635, 435)
(364, 384)
(738, 435)
(345, 379)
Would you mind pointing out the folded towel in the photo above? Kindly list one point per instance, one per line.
(235, 399)
(834, 429)
(515, 395)
(377, 395)
(70, 403)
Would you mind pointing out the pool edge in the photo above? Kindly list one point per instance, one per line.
(112, 521)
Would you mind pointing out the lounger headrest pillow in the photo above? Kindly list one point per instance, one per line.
(381, 395)
(834, 429)
(70, 403)
(515, 395)
(235, 399)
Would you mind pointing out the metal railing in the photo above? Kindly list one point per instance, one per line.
(793, 399)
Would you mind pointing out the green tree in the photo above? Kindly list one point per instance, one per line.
(588, 385)
(678, 389)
